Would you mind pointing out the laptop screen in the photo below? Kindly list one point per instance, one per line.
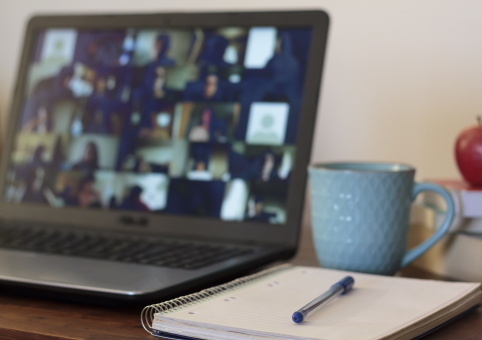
(193, 122)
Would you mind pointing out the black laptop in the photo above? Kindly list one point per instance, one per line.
(150, 154)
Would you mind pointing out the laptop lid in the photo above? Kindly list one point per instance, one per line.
(187, 124)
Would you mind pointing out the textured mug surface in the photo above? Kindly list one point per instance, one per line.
(360, 215)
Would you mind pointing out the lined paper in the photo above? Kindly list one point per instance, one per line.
(376, 306)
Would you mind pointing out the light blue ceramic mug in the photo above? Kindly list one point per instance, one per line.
(360, 215)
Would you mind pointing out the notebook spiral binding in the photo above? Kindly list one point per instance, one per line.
(147, 315)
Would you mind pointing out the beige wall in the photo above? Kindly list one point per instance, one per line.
(402, 77)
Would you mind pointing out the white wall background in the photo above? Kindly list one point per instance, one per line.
(401, 79)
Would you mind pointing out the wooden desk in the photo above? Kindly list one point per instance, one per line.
(37, 319)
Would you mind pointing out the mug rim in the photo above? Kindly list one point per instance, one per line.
(357, 167)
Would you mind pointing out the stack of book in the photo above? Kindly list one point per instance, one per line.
(459, 254)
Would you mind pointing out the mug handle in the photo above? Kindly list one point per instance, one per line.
(449, 217)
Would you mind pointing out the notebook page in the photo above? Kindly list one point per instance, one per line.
(377, 305)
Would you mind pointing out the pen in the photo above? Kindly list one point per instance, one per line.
(341, 287)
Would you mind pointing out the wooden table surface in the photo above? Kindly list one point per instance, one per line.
(41, 319)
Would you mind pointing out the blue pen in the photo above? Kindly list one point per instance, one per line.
(341, 287)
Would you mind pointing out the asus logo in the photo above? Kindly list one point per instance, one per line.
(134, 222)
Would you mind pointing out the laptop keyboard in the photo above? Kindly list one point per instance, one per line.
(167, 253)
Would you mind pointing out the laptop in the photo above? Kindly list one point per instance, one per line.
(150, 154)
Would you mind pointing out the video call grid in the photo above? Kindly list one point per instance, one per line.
(190, 122)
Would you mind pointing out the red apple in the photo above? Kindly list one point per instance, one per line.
(468, 152)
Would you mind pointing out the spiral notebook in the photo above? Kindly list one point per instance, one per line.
(260, 307)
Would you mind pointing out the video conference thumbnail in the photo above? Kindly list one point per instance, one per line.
(190, 122)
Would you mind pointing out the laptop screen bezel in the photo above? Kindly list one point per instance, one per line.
(181, 226)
